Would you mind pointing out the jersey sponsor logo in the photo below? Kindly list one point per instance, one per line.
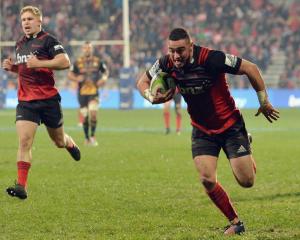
(22, 58)
(230, 60)
(192, 90)
(194, 85)
(57, 47)
(155, 69)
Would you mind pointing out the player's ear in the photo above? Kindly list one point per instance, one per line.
(191, 47)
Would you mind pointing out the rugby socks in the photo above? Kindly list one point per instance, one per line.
(93, 127)
(86, 128)
(178, 122)
(222, 201)
(167, 119)
(23, 168)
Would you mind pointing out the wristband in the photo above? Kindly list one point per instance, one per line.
(262, 97)
(148, 95)
(14, 68)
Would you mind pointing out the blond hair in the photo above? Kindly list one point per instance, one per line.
(34, 10)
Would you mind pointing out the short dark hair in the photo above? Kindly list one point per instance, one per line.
(178, 34)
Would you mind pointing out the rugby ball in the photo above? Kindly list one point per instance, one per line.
(162, 82)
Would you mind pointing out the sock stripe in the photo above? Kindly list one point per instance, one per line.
(222, 201)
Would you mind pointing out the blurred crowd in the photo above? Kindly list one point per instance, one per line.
(253, 29)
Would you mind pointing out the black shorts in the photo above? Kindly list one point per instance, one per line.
(47, 111)
(85, 99)
(234, 141)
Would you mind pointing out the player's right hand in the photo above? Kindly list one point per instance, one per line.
(269, 112)
(163, 97)
(7, 64)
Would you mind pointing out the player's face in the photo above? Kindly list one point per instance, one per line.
(180, 52)
(31, 24)
(87, 50)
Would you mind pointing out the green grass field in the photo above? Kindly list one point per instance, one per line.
(140, 184)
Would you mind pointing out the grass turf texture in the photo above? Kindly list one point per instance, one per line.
(141, 184)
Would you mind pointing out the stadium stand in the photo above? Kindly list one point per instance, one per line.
(263, 31)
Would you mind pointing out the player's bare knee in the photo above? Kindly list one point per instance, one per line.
(25, 142)
(247, 183)
(24, 145)
(93, 118)
(84, 112)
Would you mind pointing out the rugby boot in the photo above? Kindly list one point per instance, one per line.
(17, 191)
(237, 228)
(74, 150)
(93, 142)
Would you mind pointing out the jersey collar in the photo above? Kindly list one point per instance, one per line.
(35, 35)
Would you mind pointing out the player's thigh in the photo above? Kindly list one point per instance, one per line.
(93, 104)
(166, 106)
(243, 170)
(84, 111)
(27, 121)
(206, 165)
(205, 150)
(57, 135)
(26, 131)
(177, 101)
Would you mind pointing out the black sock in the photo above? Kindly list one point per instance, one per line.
(86, 127)
(93, 127)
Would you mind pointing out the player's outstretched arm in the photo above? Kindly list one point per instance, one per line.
(252, 71)
(143, 85)
(59, 62)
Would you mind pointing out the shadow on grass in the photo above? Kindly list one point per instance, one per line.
(270, 197)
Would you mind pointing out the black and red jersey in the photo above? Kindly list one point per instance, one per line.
(204, 88)
(36, 83)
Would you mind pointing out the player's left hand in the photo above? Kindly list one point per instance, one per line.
(163, 97)
(269, 112)
(33, 61)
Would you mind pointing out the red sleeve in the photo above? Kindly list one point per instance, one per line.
(203, 55)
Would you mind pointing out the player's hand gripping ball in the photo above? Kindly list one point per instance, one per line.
(161, 83)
